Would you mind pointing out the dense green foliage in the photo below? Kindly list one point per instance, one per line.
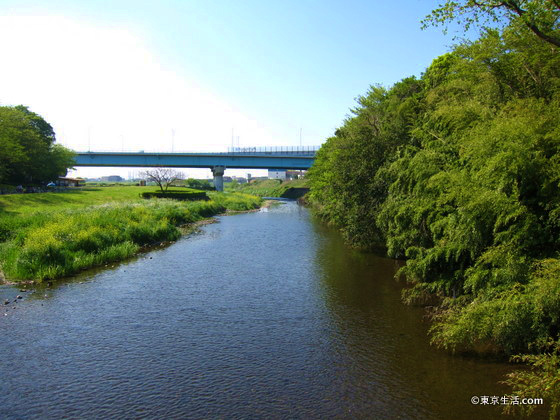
(541, 380)
(459, 173)
(199, 184)
(61, 241)
(28, 153)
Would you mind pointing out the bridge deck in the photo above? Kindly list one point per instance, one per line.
(245, 160)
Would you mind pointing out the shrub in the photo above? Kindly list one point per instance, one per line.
(177, 195)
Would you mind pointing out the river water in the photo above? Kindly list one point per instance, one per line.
(261, 315)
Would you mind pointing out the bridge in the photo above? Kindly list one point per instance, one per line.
(239, 158)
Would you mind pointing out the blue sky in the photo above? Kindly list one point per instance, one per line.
(126, 74)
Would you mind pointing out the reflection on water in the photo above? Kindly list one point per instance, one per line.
(263, 315)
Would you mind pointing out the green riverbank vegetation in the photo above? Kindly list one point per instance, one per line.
(72, 198)
(52, 235)
(458, 172)
(269, 187)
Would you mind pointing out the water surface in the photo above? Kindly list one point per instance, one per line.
(262, 315)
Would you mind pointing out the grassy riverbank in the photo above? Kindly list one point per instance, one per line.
(71, 199)
(270, 187)
(47, 236)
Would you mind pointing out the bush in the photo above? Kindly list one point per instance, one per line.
(508, 320)
(7, 189)
(189, 195)
(542, 380)
(199, 184)
(237, 201)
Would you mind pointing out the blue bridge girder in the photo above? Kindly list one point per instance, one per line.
(264, 160)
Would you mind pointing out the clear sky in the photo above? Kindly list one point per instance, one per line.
(181, 75)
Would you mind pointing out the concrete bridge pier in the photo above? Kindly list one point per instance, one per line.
(218, 172)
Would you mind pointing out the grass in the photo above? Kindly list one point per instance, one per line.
(70, 199)
(269, 187)
(52, 235)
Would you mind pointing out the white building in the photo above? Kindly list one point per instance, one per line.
(277, 174)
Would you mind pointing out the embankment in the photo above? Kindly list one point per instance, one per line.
(274, 188)
(60, 242)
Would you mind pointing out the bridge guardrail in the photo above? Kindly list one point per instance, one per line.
(268, 151)
(271, 150)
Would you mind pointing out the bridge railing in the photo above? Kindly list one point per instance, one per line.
(268, 150)
(275, 150)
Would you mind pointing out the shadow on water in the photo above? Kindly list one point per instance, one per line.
(384, 344)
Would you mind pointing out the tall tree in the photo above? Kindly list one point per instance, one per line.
(539, 16)
(28, 153)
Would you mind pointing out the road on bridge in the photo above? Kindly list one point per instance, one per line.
(217, 162)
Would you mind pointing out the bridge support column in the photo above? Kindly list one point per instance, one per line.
(218, 172)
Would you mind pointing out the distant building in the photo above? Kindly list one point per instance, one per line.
(112, 178)
(277, 174)
(70, 182)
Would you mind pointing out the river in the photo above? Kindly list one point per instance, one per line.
(261, 315)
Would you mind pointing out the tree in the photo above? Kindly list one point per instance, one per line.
(28, 153)
(199, 184)
(540, 16)
(39, 124)
(163, 177)
(60, 160)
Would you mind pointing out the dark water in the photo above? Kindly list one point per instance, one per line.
(262, 315)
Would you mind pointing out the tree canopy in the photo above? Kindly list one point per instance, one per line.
(539, 16)
(28, 152)
(163, 177)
